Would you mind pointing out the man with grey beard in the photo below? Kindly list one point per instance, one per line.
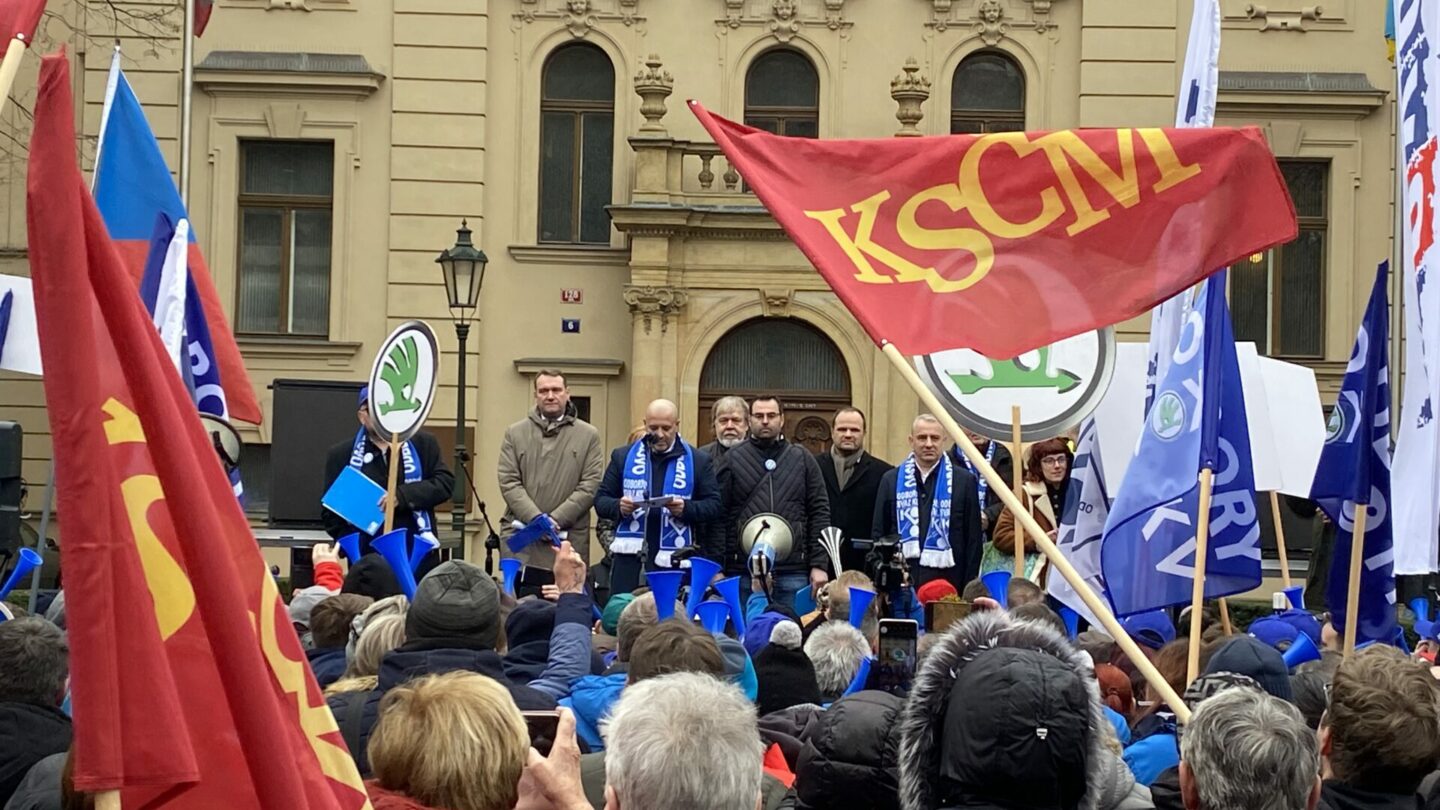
(730, 421)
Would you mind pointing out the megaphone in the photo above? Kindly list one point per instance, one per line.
(765, 539)
(666, 587)
(29, 561)
(350, 544)
(861, 676)
(509, 573)
(1072, 621)
(998, 584)
(860, 600)
(1295, 595)
(392, 547)
(424, 544)
(729, 590)
(224, 438)
(701, 572)
(713, 616)
(1301, 650)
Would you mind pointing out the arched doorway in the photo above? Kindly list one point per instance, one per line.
(785, 357)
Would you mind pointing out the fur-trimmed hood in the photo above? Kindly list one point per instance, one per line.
(923, 720)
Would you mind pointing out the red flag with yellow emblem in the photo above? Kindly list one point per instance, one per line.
(189, 685)
(1005, 242)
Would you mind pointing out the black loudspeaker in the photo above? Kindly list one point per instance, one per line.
(12, 439)
(310, 417)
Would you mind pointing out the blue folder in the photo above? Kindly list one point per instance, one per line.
(356, 498)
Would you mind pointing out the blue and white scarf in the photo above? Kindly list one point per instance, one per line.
(970, 465)
(935, 552)
(410, 464)
(679, 482)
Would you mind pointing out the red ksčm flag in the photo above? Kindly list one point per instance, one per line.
(20, 18)
(1005, 242)
(189, 686)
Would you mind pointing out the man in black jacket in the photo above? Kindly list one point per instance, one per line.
(768, 474)
(730, 422)
(852, 477)
(34, 664)
(999, 457)
(423, 482)
(659, 464)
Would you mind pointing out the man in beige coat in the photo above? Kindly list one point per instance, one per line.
(551, 464)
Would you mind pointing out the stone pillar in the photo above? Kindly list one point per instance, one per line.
(652, 309)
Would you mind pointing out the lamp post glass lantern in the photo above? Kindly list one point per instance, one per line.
(464, 269)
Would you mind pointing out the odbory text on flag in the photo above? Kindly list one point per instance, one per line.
(1354, 474)
(1197, 421)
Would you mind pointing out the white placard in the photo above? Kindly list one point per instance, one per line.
(1297, 420)
(1264, 460)
(1121, 413)
(21, 350)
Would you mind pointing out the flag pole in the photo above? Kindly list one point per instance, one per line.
(1225, 625)
(1197, 592)
(1042, 540)
(1018, 474)
(1280, 538)
(390, 488)
(10, 66)
(1352, 596)
(187, 99)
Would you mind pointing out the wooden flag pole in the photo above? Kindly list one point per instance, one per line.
(1225, 617)
(107, 800)
(1357, 558)
(9, 67)
(1019, 475)
(1280, 538)
(390, 488)
(1197, 592)
(1062, 566)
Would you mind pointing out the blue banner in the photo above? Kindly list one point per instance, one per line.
(1354, 473)
(1147, 555)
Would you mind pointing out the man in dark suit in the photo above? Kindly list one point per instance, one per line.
(852, 477)
(999, 455)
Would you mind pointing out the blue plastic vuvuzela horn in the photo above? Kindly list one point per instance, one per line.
(1420, 606)
(701, 572)
(29, 561)
(861, 676)
(713, 616)
(998, 584)
(1295, 595)
(423, 546)
(1302, 650)
(509, 573)
(666, 587)
(860, 600)
(1072, 621)
(729, 590)
(392, 547)
(350, 544)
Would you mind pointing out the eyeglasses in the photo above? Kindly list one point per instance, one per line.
(1055, 461)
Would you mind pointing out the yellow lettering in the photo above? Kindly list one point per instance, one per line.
(966, 239)
(123, 426)
(1051, 208)
(1172, 170)
(169, 587)
(861, 245)
(1064, 146)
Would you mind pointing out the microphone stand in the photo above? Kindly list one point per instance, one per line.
(492, 540)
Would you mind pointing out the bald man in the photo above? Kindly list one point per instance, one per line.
(660, 465)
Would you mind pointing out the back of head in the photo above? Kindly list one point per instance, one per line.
(371, 576)
(34, 662)
(838, 605)
(455, 601)
(1247, 655)
(836, 649)
(851, 755)
(683, 740)
(1039, 612)
(1383, 724)
(1115, 689)
(1023, 592)
(1246, 750)
(380, 636)
(636, 618)
(975, 589)
(455, 740)
(532, 620)
(784, 675)
(330, 620)
(1311, 691)
(674, 646)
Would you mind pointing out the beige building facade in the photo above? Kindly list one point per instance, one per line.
(338, 144)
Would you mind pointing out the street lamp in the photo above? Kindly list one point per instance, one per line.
(464, 269)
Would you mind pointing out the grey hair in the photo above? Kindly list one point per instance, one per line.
(34, 662)
(1247, 750)
(927, 418)
(637, 617)
(683, 740)
(380, 636)
(728, 404)
(836, 649)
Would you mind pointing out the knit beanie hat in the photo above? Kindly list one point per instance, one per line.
(531, 620)
(456, 600)
(934, 591)
(785, 673)
(1249, 656)
(610, 618)
(371, 576)
(757, 632)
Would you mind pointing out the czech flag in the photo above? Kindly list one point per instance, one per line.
(132, 186)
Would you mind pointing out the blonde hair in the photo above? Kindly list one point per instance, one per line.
(380, 636)
(837, 606)
(455, 740)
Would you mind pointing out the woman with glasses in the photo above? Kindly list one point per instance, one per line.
(1047, 479)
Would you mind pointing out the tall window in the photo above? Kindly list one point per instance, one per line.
(782, 94)
(285, 203)
(577, 144)
(988, 95)
(1277, 298)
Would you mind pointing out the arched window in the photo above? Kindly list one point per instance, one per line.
(577, 145)
(782, 94)
(988, 95)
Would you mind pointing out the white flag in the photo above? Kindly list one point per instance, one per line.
(170, 296)
(1087, 505)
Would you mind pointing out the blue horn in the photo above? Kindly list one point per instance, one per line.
(861, 676)
(29, 561)
(423, 546)
(1072, 621)
(860, 600)
(1421, 607)
(713, 616)
(509, 572)
(392, 547)
(729, 590)
(998, 584)
(1302, 650)
(701, 572)
(1295, 595)
(350, 544)
(666, 586)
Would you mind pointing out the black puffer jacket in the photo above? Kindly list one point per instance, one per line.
(28, 734)
(794, 490)
(850, 755)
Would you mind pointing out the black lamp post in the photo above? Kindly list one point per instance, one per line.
(464, 269)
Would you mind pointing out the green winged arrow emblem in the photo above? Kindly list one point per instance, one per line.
(400, 372)
(1016, 374)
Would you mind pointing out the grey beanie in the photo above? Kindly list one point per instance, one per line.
(456, 600)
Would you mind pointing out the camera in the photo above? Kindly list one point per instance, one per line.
(885, 565)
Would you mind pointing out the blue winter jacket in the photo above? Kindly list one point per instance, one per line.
(591, 699)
